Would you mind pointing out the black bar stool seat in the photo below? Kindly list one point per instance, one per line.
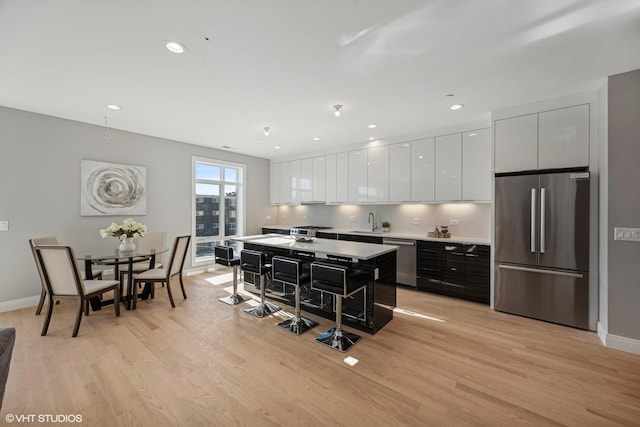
(292, 272)
(224, 256)
(255, 262)
(341, 281)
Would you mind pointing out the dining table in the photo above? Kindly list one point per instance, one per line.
(116, 259)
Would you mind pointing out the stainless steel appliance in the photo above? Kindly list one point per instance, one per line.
(304, 232)
(542, 246)
(405, 260)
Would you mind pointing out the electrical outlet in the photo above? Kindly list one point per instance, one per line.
(625, 233)
(4, 225)
(453, 222)
(268, 217)
(353, 219)
(416, 221)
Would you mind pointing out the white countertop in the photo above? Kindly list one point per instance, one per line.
(341, 248)
(394, 235)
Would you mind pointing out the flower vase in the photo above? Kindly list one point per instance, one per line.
(127, 245)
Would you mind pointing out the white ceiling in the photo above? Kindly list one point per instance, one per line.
(285, 63)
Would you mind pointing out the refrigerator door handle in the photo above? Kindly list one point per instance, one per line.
(542, 219)
(537, 270)
(533, 220)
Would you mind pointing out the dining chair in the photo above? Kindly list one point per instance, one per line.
(164, 275)
(50, 240)
(152, 240)
(62, 279)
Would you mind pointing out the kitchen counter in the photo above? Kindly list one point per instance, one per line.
(342, 248)
(394, 235)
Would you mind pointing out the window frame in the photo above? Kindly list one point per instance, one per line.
(241, 207)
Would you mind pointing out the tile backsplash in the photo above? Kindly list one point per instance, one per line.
(474, 219)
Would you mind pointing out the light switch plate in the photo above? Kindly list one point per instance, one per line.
(4, 225)
(626, 233)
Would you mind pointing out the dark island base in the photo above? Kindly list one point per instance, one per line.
(367, 311)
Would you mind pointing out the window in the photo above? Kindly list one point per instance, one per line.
(218, 202)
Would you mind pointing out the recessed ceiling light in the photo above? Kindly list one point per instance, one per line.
(456, 106)
(277, 147)
(315, 138)
(113, 107)
(472, 134)
(372, 126)
(337, 107)
(405, 145)
(266, 130)
(371, 138)
(175, 47)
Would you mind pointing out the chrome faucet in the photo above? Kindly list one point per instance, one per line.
(372, 220)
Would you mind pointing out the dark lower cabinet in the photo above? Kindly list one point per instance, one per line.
(454, 269)
(270, 230)
(360, 238)
(429, 266)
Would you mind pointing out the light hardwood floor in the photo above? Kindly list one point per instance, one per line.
(204, 363)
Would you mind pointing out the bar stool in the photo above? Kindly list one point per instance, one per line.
(224, 256)
(290, 271)
(255, 262)
(337, 280)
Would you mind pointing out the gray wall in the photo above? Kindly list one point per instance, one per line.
(40, 188)
(603, 216)
(623, 204)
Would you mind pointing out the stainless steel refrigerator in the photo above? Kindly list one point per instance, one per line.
(542, 246)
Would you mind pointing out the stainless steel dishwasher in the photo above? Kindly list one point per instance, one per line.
(405, 260)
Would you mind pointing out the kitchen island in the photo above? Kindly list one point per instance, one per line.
(368, 311)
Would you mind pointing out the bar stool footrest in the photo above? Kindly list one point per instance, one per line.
(338, 340)
(234, 299)
(263, 309)
(298, 325)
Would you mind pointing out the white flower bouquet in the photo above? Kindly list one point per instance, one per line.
(129, 228)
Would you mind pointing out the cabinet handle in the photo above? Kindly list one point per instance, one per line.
(542, 219)
(533, 220)
(473, 255)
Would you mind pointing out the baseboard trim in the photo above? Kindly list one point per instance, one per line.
(629, 345)
(602, 333)
(17, 304)
(617, 342)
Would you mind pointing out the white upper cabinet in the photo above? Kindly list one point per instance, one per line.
(516, 143)
(358, 189)
(274, 184)
(318, 182)
(294, 182)
(331, 178)
(285, 183)
(304, 180)
(378, 174)
(400, 172)
(423, 170)
(342, 178)
(546, 140)
(476, 165)
(449, 167)
(564, 138)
